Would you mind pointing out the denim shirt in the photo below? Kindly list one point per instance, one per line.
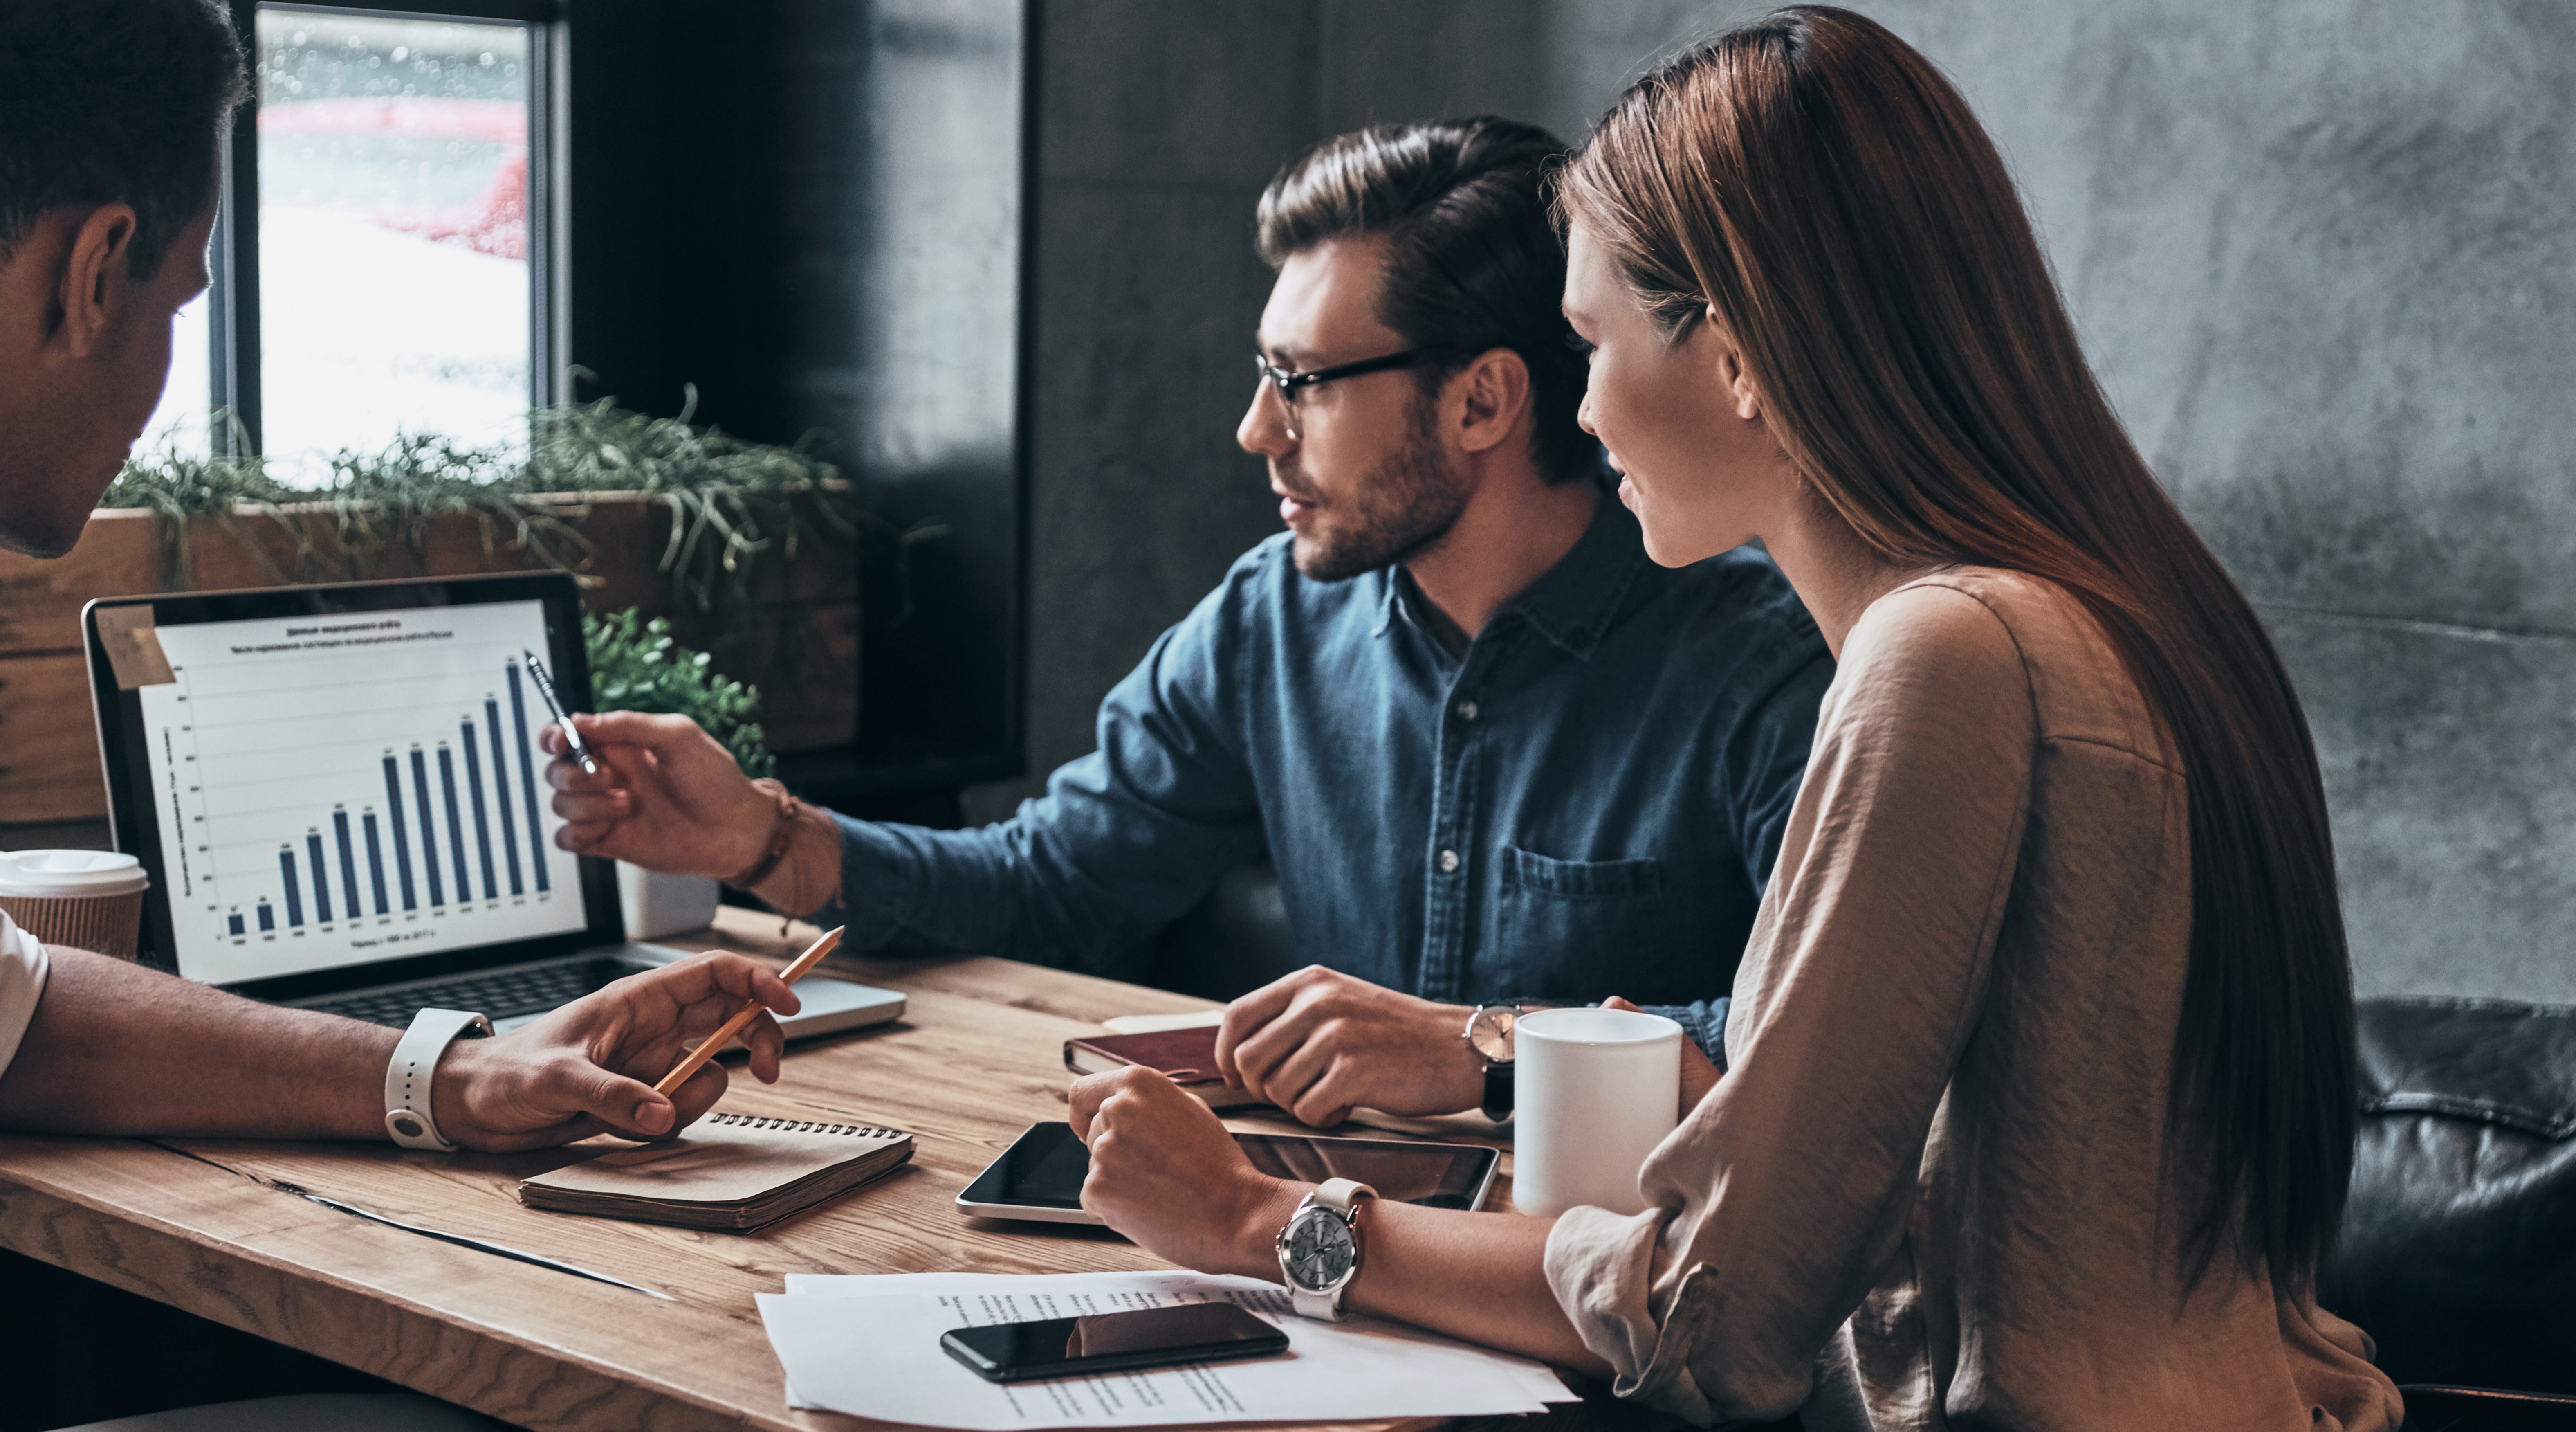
(1585, 803)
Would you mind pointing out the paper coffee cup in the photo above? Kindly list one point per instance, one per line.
(88, 899)
(1593, 1092)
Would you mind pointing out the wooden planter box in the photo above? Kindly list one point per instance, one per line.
(803, 656)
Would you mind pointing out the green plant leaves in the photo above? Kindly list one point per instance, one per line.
(737, 507)
(637, 665)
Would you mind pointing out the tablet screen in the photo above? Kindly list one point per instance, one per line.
(1045, 1168)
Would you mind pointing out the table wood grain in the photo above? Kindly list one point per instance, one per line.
(221, 1228)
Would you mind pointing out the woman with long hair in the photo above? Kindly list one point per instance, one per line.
(2040, 1099)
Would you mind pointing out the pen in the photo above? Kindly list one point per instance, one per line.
(546, 689)
(709, 1047)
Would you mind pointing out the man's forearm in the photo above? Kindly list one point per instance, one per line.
(1016, 889)
(117, 1049)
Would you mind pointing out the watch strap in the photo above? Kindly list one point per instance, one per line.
(407, 1078)
(1341, 1197)
(1498, 1089)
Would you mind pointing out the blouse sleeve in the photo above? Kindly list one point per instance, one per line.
(22, 982)
(1777, 1204)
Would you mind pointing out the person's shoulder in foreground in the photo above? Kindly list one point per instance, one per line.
(109, 115)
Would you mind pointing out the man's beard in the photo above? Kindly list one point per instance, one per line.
(1399, 511)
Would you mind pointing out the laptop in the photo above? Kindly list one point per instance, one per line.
(339, 797)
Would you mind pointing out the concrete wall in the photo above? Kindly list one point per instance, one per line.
(2322, 252)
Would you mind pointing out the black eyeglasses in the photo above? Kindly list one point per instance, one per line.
(1288, 383)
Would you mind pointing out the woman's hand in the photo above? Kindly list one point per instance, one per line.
(1166, 1174)
(1698, 1075)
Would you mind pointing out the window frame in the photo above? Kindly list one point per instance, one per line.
(232, 299)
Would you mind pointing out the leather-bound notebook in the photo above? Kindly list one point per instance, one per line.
(1187, 1055)
(726, 1171)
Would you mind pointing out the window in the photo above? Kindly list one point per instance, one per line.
(381, 267)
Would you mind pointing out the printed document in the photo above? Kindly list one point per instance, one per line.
(869, 1346)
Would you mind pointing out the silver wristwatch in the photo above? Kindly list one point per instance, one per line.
(1321, 1248)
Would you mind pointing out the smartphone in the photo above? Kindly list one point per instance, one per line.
(1111, 1342)
(1039, 1177)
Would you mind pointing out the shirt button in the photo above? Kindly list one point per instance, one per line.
(1448, 861)
(1466, 710)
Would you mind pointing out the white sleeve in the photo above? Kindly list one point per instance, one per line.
(22, 983)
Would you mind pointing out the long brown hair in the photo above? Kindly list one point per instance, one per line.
(1825, 190)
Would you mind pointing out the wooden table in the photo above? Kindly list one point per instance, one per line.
(206, 1225)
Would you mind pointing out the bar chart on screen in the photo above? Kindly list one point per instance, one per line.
(354, 788)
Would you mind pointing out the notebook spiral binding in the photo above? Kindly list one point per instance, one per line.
(803, 1126)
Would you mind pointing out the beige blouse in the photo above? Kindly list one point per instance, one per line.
(1928, 1187)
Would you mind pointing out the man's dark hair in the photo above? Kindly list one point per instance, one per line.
(114, 101)
(1473, 262)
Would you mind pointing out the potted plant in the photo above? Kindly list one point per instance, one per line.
(636, 665)
(751, 549)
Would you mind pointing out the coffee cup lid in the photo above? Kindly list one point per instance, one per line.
(57, 874)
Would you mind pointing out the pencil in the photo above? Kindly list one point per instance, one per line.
(714, 1043)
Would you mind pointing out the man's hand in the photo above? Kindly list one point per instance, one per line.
(590, 1066)
(667, 797)
(1319, 1044)
(1166, 1174)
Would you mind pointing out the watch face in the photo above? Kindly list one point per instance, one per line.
(1316, 1252)
(1491, 1032)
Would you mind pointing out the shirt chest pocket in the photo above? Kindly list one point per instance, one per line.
(1586, 929)
(1580, 879)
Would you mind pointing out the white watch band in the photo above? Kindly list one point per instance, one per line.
(407, 1101)
(1342, 1196)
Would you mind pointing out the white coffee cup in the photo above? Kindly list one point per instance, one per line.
(89, 899)
(1593, 1092)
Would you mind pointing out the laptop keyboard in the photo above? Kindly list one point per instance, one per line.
(497, 993)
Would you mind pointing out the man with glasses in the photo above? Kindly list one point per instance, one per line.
(1495, 754)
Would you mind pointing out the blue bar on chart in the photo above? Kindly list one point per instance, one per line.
(402, 841)
(528, 780)
(267, 917)
(375, 862)
(321, 877)
(501, 791)
(348, 863)
(455, 826)
(294, 891)
(234, 923)
(428, 827)
(482, 828)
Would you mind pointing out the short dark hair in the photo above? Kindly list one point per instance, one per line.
(114, 101)
(1473, 261)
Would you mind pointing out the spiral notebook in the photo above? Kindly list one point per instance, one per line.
(727, 1171)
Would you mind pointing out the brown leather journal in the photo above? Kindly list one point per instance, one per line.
(1187, 1055)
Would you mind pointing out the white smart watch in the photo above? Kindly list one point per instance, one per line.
(407, 1078)
(1321, 1248)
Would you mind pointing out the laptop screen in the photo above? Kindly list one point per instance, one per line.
(339, 788)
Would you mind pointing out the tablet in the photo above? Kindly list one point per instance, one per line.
(1039, 1177)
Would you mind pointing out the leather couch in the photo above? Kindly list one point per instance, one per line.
(2459, 1243)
